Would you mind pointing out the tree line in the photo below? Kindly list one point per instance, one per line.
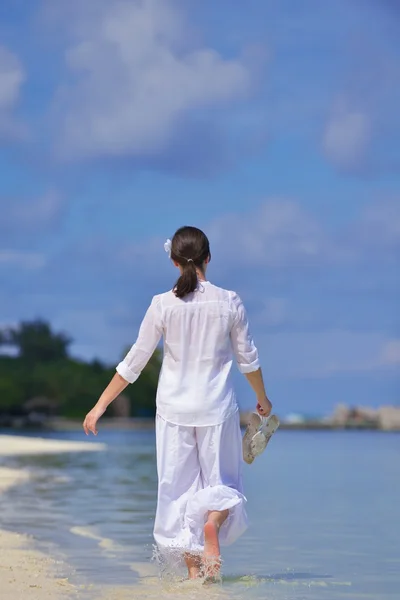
(36, 369)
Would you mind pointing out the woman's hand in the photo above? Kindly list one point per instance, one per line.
(264, 407)
(89, 424)
(114, 388)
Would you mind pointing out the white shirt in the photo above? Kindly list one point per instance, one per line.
(202, 333)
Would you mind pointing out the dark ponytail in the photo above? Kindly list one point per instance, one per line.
(187, 282)
(190, 248)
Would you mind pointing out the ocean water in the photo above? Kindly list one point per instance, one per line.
(324, 510)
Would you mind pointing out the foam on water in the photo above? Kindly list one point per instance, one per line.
(109, 546)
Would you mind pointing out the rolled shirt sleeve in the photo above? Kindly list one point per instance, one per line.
(150, 333)
(242, 342)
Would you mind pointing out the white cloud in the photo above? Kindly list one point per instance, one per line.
(390, 353)
(274, 313)
(347, 137)
(30, 215)
(132, 78)
(24, 260)
(326, 353)
(380, 223)
(279, 233)
(12, 77)
(374, 238)
(362, 131)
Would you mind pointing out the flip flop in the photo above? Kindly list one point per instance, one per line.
(253, 426)
(260, 440)
(258, 433)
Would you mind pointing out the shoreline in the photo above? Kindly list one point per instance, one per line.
(26, 572)
(148, 424)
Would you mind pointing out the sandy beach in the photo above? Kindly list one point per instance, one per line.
(15, 445)
(26, 573)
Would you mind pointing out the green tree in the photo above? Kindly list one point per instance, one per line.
(10, 393)
(35, 341)
(12, 382)
(43, 369)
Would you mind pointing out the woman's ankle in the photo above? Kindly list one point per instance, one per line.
(217, 517)
(194, 572)
(193, 564)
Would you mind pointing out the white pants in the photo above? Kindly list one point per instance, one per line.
(199, 469)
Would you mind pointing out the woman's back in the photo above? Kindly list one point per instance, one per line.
(197, 328)
(195, 384)
(201, 333)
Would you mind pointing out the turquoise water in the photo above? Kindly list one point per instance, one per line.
(324, 510)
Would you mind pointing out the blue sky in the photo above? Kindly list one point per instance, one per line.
(275, 126)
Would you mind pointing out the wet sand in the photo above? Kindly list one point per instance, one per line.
(26, 573)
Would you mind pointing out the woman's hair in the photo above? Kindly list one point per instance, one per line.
(190, 248)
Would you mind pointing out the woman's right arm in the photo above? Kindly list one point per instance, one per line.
(246, 355)
(114, 388)
(129, 369)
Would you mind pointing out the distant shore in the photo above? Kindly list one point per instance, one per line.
(147, 424)
(344, 417)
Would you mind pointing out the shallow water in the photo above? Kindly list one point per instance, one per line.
(324, 510)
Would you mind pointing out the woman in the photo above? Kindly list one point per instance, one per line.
(199, 445)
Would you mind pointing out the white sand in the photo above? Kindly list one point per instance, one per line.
(13, 445)
(26, 573)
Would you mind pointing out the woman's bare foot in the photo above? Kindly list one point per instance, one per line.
(193, 564)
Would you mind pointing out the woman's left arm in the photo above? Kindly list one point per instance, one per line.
(114, 388)
(129, 369)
